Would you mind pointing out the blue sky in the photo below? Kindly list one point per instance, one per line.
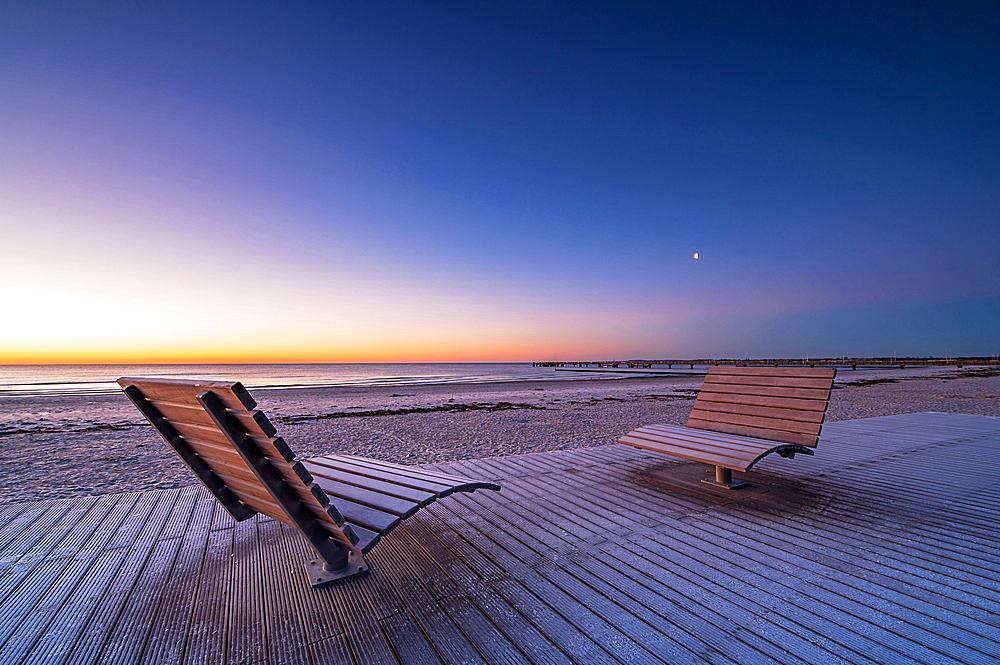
(484, 182)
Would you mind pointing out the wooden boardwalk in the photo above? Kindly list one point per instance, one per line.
(882, 548)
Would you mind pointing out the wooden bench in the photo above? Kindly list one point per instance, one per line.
(342, 504)
(741, 415)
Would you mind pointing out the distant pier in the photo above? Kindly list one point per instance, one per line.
(853, 363)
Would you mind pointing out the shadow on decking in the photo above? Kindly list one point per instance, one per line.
(766, 491)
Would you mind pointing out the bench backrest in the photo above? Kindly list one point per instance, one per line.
(785, 404)
(235, 451)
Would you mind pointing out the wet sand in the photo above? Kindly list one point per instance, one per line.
(63, 447)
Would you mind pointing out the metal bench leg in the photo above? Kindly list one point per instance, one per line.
(724, 478)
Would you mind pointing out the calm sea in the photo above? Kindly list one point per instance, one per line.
(45, 380)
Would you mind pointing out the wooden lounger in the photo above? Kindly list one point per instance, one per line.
(342, 504)
(744, 413)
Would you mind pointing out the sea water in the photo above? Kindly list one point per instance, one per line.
(53, 380)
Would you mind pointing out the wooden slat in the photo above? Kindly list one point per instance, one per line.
(274, 447)
(784, 437)
(304, 493)
(736, 460)
(769, 381)
(392, 489)
(777, 424)
(767, 391)
(366, 497)
(253, 497)
(798, 415)
(340, 463)
(254, 422)
(702, 438)
(214, 453)
(766, 401)
(367, 517)
(232, 393)
(792, 372)
(422, 473)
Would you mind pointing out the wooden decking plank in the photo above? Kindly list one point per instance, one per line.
(319, 614)
(153, 574)
(28, 611)
(575, 530)
(856, 579)
(502, 519)
(535, 646)
(12, 510)
(91, 550)
(577, 611)
(489, 467)
(538, 497)
(126, 643)
(723, 591)
(653, 641)
(493, 545)
(617, 507)
(858, 598)
(657, 629)
(31, 531)
(69, 545)
(332, 651)
(169, 630)
(582, 505)
(67, 524)
(409, 642)
(654, 506)
(824, 542)
(246, 643)
(402, 556)
(452, 565)
(363, 632)
(553, 536)
(286, 639)
(210, 615)
(690, 604)
(410, 575)
(855, 566)
(122, 632)
(493, 644)
(577, 645)
(478, 530)
(466, 553)
(583, 515)
(49, 511)
(763, 582)
(142, 535)
(519, 465)
(58, 638)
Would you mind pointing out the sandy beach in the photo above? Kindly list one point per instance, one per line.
(65, 447)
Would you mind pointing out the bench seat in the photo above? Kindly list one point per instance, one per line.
(342, 504)
(730, 451)
(743, 414)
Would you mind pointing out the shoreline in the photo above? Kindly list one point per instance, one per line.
(69, 446)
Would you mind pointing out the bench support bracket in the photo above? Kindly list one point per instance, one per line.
(321, 573)
(724, 478)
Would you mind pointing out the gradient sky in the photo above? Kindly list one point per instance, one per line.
(500, 181)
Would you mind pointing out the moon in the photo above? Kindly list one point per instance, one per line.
(696, 255)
